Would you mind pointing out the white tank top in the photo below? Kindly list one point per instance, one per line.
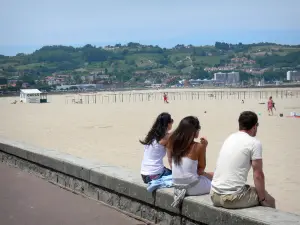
(152, 163)
(186, 172)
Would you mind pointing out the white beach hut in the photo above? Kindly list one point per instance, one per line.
(30, 95)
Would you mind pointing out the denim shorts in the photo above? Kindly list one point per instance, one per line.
(148, 178)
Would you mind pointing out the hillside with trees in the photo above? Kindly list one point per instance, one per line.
(135, 63)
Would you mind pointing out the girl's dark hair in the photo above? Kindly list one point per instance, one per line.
(183, 137)
(159, 129)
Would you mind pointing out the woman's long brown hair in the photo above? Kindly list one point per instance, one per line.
(182, 138)
(159, 129)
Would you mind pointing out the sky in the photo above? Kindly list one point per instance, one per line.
(26, 25)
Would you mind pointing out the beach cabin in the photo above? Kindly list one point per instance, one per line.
(32, 96)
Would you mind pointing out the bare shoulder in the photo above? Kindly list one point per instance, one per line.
(164, 140)
(200, 147)
(196, 150)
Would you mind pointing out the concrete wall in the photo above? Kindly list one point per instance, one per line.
(125, 190)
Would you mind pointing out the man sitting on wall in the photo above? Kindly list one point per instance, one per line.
(239, 152)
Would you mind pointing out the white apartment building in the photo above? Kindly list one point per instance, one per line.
(220, 77)
(293, 76)
(228, 78)
(233, 78)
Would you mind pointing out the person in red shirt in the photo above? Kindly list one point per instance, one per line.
(165, 98)
(270, 106)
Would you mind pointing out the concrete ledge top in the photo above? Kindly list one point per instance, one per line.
(128, 183)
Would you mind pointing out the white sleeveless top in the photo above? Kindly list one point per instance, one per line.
(152, 163)
(186, 172)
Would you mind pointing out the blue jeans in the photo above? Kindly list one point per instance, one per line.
(148, 178)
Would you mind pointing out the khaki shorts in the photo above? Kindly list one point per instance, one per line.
(247, 198)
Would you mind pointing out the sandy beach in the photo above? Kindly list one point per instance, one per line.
(110, 131)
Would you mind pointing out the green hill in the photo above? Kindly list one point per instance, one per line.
(123, 61)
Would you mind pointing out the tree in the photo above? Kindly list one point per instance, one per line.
(164, 61)
(200, 73)
(3, 80)
(125, 52)
(245, 76)
(77, 79)
(274, 75)
(222, 46)
(19, 84)
(28, 79)
(11, 69)
(133, 45)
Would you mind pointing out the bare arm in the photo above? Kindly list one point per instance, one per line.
(164, 142)
(201, 158)
(259, 178)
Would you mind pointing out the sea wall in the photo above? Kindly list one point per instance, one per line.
(125, 190)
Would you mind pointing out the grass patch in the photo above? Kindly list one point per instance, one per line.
(167, 70)
(29, 66)
(208, 60)
(151, 56)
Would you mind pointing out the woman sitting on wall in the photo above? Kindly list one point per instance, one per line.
(188, 160)
(154, 149)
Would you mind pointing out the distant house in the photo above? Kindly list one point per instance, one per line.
(3, 86)
(102, 77)
(25, 85)
(90, 78)
(57, 75)
(242, 60)
(142, 72)
(12, 83)
(52, 80)
(97, 72)
(80, 70)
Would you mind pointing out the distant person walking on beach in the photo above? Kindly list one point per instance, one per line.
(165, 98)
(271, 105)
(154, 149)
(239, 152)
(188, 159)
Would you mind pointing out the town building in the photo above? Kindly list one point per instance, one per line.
(233, 78)
(293, 76)
(227, 78)
(220, 77)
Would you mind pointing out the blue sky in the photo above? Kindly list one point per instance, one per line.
(29, 24)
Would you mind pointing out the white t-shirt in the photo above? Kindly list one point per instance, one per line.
(234, 162)
(152, 163)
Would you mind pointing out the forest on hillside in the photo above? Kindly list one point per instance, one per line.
(123, 61)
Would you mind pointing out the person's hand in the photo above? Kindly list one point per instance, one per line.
(204, 141)
(200, 171)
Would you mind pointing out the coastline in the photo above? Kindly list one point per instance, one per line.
(279, 87)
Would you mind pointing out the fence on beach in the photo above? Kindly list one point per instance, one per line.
(120, 97)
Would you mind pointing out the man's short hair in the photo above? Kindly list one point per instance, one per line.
(247, 120)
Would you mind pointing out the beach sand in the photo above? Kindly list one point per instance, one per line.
(109, 132)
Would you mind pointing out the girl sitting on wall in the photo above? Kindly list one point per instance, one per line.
(155, 149)
(188, 160)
